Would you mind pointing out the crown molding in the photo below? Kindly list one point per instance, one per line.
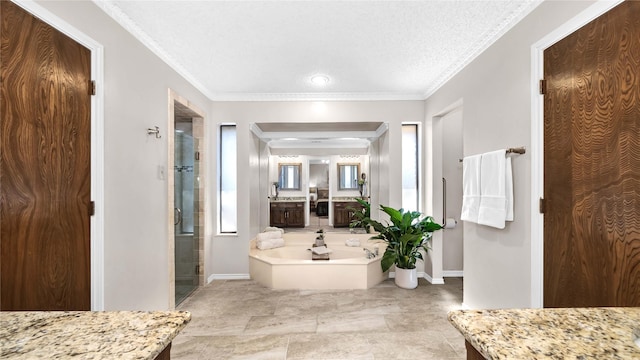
(129, 25)
(337, 96)
(520, 13)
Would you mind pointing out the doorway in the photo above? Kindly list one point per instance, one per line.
(318, 193)
(186, 198)
(452, 152)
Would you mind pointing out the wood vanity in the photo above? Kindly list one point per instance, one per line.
(558, 333)
(343, 212)
(287, 214)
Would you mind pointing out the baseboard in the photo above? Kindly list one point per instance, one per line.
(434, 281)
(422, 274)
(453, 273)
(228, 277)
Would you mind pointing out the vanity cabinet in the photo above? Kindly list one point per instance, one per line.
(287, 214)
(343, 212)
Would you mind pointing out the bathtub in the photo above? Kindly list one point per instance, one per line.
(291, 267)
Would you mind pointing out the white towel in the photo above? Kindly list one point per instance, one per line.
(509, 189)
(269, 235)
(352, 242)
(471, 188)
(269, 243)
(493, 188)
(321, 250)
(273, 228)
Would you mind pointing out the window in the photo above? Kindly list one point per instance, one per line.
(228, 198)
(410, 195)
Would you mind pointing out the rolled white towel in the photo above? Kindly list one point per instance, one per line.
(269, 243)
(269, 235)
(352, 242)
(273, 228)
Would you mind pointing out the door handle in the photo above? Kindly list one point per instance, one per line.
(177, 215)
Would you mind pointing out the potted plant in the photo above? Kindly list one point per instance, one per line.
(407, 234)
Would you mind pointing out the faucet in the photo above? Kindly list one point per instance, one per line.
(368, 253)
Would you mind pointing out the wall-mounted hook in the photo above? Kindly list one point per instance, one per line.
(154, 131)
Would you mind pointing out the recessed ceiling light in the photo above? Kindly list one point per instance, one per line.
(320, 80)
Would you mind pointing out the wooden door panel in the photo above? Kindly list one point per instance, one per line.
(592, 164)
(45, 166)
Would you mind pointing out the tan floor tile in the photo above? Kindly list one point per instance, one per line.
(186, 347)
(269, 325)
(216, 325)
(245, 347)
(240, 319)
(411, 345)
(329, 346)
(304, 306)
(342, 323)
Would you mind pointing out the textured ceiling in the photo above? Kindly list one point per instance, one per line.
(268, 50)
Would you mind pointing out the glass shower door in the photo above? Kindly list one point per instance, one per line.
(185, 177)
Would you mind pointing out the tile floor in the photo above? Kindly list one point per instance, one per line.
(240, 319)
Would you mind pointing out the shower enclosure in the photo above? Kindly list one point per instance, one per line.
(186, 195)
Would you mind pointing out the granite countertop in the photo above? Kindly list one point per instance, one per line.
(345, 199)
(88, 334)
(558, 333)
(288, 199)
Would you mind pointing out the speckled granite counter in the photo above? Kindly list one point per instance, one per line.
(89, 335)
(565, 333)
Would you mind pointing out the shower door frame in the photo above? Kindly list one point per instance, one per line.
(198, 122)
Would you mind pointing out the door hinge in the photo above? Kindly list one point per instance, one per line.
(197, 155)
(92, 87)
(92, 208)
(543, 206)
(543, 87)
(197, 269)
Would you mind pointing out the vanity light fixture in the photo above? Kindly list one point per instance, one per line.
(320, 80)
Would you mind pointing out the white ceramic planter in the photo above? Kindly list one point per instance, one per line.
(406, 278)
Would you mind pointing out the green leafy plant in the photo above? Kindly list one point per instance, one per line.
(405, 236)
(359, 215)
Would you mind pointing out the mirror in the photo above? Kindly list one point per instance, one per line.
(289, 176)
(348, 176)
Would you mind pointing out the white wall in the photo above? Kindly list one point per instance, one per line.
(136, 83)
(228, 255)
(496, 91)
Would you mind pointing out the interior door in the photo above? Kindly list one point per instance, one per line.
(45, 167)
(592, 164)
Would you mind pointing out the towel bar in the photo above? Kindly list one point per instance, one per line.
(519, 150)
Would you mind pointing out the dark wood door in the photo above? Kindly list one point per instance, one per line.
(45, 108)
(592, 164)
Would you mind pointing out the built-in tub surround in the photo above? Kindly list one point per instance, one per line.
(291, 267)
